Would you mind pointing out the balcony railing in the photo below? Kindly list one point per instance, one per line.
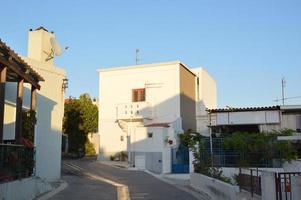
(134, 110)
(16, 162)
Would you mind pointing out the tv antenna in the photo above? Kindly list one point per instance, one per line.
(137, 56)
(283, 84)
(55, 49)
(282, 89)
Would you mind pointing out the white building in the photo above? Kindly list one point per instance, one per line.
(255, 119)
(49, 113)
(144, 107)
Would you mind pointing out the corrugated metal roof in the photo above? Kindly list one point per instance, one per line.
(243, 109)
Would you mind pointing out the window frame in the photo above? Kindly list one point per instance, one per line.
(141, 95)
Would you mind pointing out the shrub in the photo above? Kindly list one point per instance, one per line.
(89, 149)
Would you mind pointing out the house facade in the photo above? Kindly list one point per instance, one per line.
(49, 107)
(255, 119)
(144, 107)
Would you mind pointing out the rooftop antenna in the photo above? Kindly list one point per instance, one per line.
(55, 49)
(137, 56)
(282, 88)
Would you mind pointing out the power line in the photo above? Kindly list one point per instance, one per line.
(295, 97)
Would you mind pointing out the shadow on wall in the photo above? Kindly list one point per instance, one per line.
(48, 133)
(179, 110)
(44, 110)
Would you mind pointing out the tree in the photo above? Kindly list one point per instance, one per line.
(80, 119)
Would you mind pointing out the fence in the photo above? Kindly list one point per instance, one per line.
(234, 158)
(16, 161)
(250, 180)
(283, 184)
(222, 157)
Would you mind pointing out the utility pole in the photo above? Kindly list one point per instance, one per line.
(282, 87)
(137, 56)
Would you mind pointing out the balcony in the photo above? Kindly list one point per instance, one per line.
(16, 162)
(134, 110)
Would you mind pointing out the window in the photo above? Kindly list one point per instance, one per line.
(121, 138)
(138, 95)
(149, 134)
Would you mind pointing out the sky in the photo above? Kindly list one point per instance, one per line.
(247, 46)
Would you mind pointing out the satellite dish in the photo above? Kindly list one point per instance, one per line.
(55, 47)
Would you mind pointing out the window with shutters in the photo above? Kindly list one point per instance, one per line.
(138, 95)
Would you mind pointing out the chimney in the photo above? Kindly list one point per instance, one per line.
(39, 46)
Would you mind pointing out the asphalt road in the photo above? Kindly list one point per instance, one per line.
(82, 185)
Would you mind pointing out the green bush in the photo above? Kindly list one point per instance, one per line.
(29, 121)
(89, 149)
(265, 143)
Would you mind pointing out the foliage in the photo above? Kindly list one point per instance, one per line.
(261, 142)
(248, 143)
(202, 162)
(80, 119)
(29, 121)
(89, 114)
(120, 156)
(89, 149)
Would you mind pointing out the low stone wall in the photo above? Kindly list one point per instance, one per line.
(24, 189)
(216, 189)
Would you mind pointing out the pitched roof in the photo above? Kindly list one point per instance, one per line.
(15, 63)
(41, 28)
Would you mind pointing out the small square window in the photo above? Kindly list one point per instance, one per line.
(138, 95)
(149, 134)
(121, 138)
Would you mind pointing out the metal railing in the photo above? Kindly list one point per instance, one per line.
(234, 158)
(134, 110)
(284, 184)
(16, 162)
(250, 180)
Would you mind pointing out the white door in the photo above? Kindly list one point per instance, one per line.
(140, 162)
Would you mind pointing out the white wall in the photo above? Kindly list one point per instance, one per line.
(50, 112)
(142, 143)
(161, 82)
(248, 117)
(23, 189)
(9, 111)
(216, 189)
(291, 121)
(206, 94)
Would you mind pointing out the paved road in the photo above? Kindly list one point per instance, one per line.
(78, 174)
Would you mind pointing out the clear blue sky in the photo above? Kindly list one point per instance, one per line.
(247, 46)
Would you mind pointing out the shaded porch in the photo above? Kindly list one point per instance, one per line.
(17, 155)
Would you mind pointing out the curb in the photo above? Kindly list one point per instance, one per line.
(53, 192)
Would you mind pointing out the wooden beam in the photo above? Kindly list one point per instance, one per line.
(33, 99)
(17, 70)
(2, 99)
(19, 103)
